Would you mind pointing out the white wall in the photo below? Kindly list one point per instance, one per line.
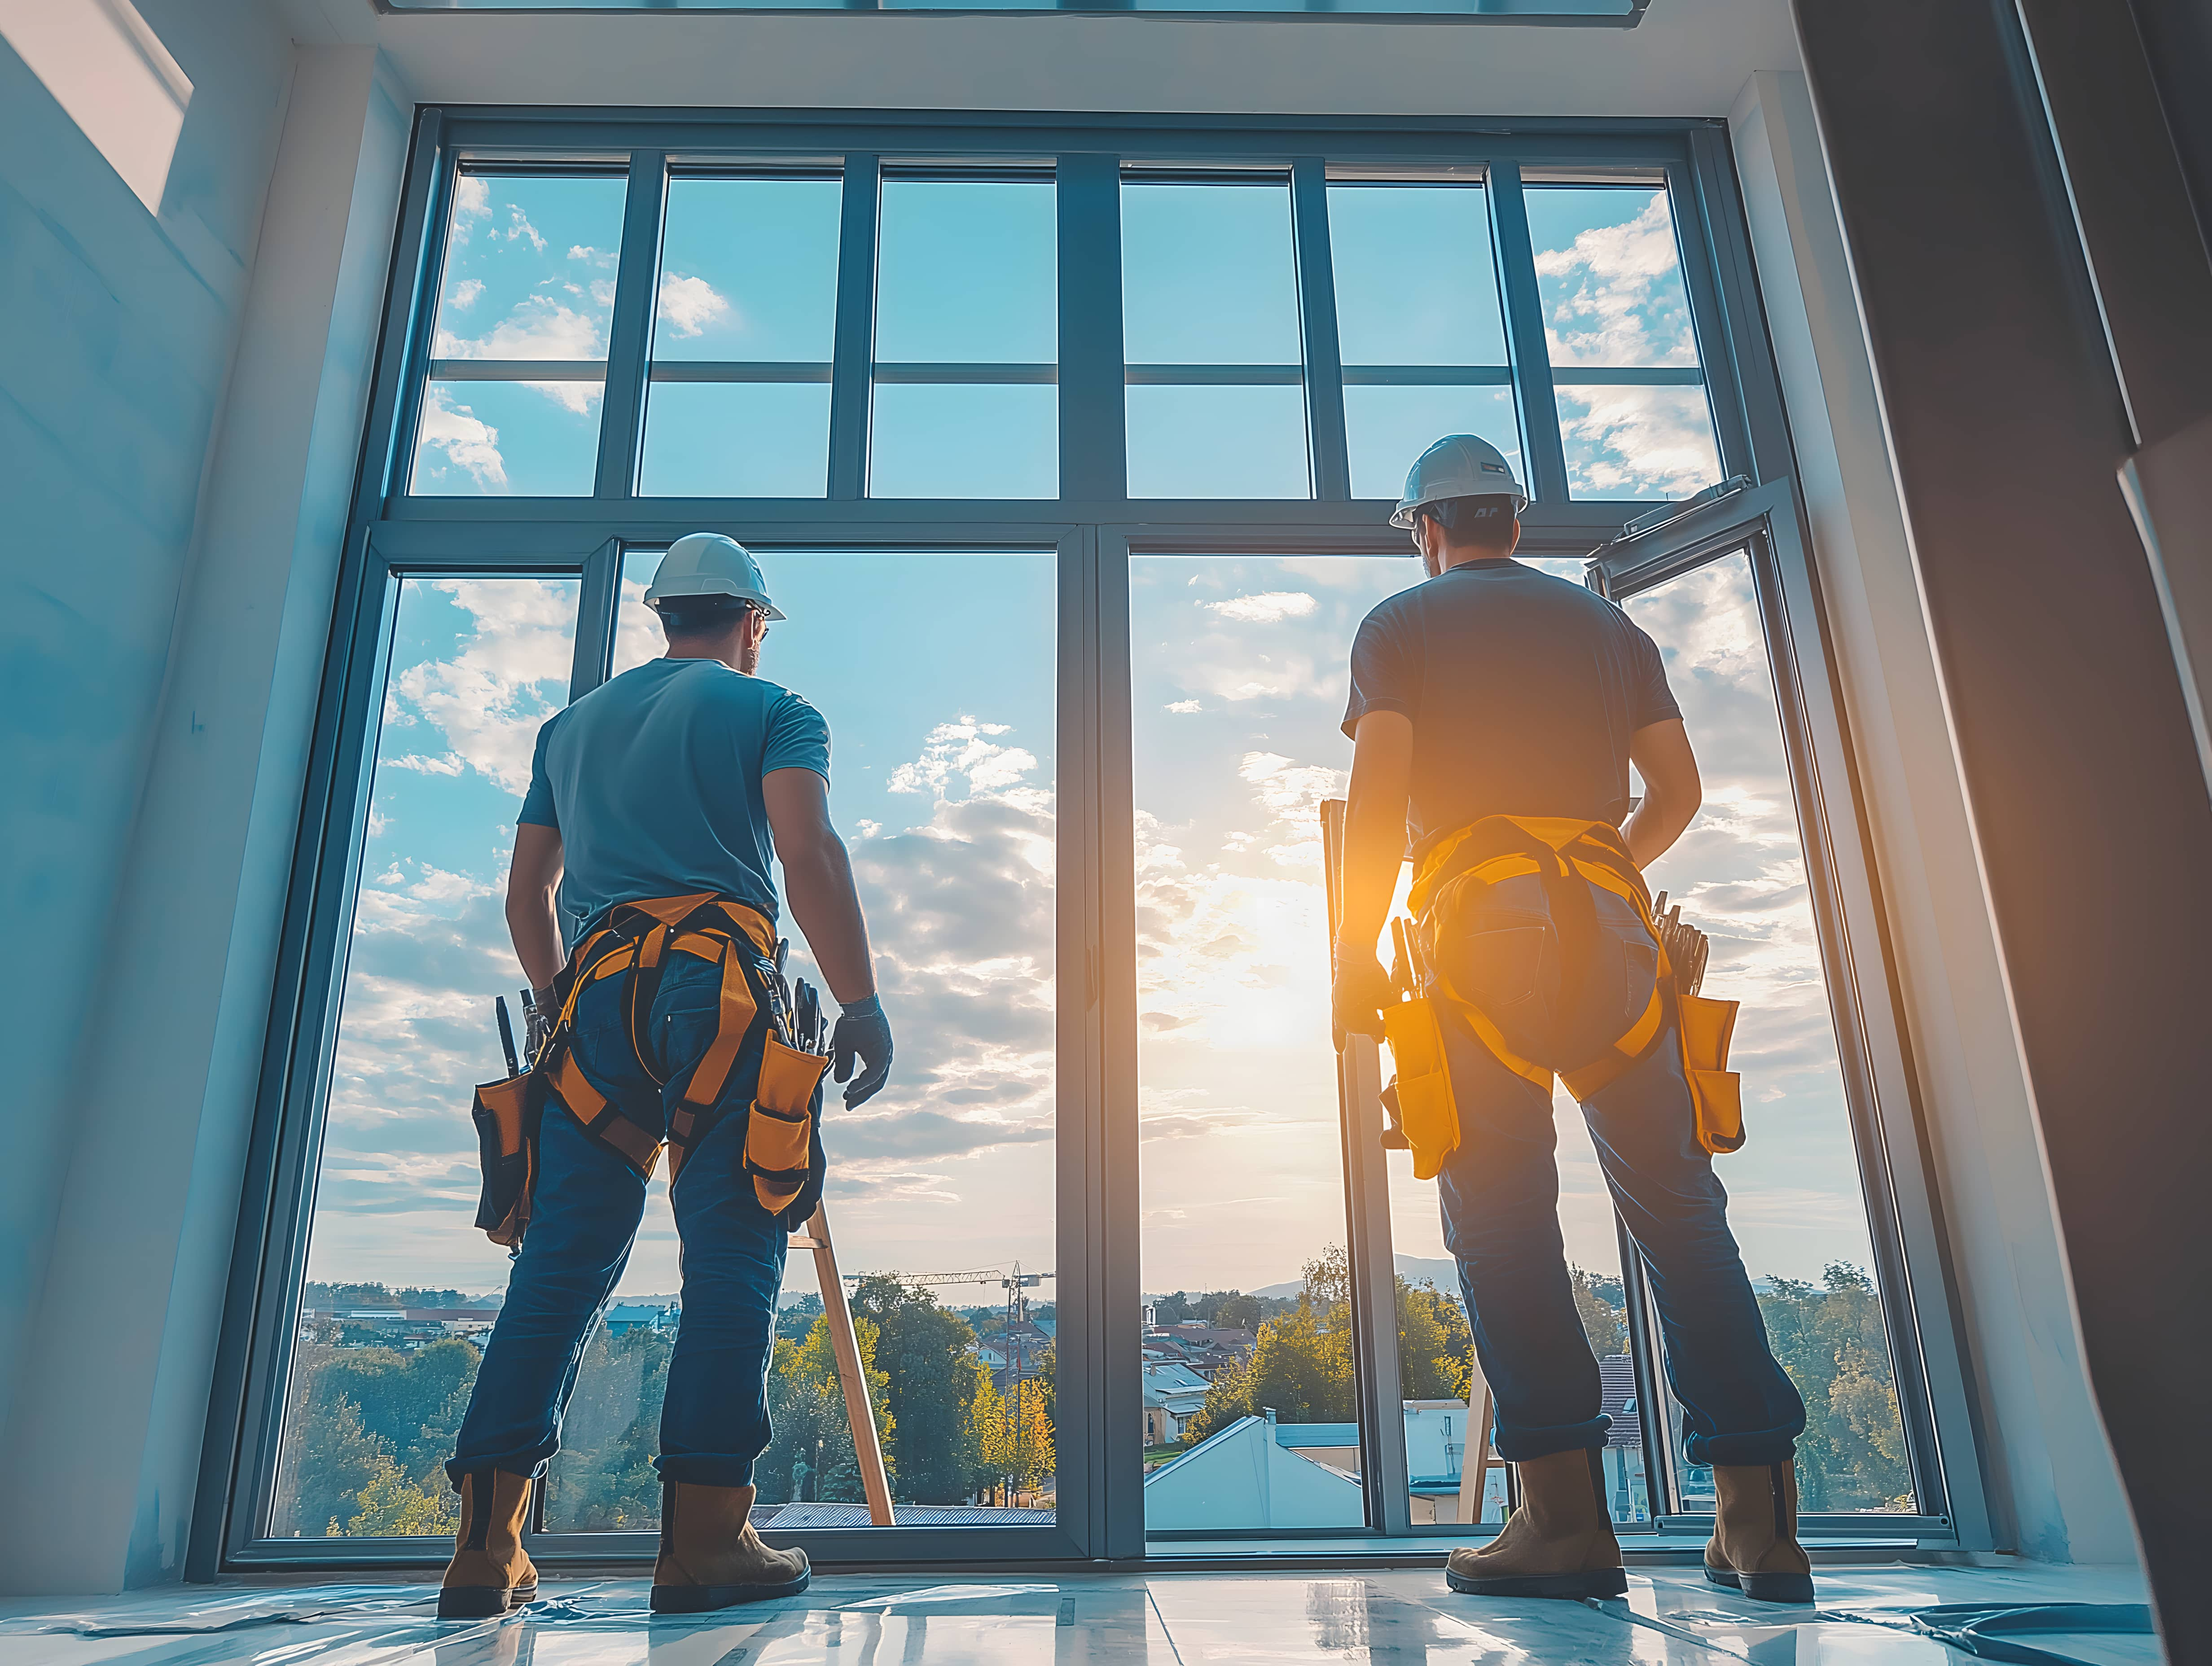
(2051, 1489)
(115, 1339)
(117, 346)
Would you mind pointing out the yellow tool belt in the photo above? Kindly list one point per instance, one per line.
(634, 941)
(1566, 856)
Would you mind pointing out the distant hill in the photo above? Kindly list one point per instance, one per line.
(1414, 1269)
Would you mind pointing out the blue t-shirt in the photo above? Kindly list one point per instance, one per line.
(1524, 691)
(654, 780)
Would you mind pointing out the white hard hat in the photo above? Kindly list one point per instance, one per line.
(708, 564)
(1458, 465)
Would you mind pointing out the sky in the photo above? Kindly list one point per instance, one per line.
(936, 674)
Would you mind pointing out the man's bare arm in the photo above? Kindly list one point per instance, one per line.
(532, 878)
(817, 876)
(1672, 791)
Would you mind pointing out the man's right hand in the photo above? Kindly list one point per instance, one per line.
(1361, 991)
(863, 1035)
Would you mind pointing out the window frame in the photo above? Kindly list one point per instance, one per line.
(1093, 527)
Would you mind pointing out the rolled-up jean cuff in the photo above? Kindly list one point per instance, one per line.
(1760, 1446)
(1520, 1445)
(706, 1469)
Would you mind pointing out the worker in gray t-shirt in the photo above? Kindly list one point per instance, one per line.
(1494, 714)
(656, 804)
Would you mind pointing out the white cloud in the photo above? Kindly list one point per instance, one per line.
(1272, 607)
(508, 676)
(471, 201)
(447, 763)
(589, 254)
(1617, 294)
(466, 291)
(1184, 707)
(519, 227)
(467, 443)
(1638, 442)
(688, 305)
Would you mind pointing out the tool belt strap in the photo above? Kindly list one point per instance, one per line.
(634, 941)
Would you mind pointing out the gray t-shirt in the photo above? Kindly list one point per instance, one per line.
(1523, 691)
(654, 780)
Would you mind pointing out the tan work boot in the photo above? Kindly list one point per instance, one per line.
(1558, 1543)
(489, 1573)
(1755, 1544)
(711, 1558)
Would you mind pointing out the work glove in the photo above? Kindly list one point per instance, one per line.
(863, 1037)
(1361, 991)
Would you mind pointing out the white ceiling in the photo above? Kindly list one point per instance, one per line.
(1688, 57)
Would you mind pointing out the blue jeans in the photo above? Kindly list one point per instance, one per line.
(1500, 1193)
(713, 1421)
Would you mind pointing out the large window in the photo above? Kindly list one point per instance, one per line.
(1069, 453)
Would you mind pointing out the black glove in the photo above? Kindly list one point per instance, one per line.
(1360, 993)
(863, 1034)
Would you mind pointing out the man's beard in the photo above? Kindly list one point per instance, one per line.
(749, 658)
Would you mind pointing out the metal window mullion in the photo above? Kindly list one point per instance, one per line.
(1524, 331)
(1094, 436)
(1324, 365)
(597, 612)
(629, 336)
(853, 357)
(1712, 326)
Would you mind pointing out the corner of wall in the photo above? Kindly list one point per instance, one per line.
(2045, 1471)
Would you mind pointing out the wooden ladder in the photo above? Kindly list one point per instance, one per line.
(852, 1374)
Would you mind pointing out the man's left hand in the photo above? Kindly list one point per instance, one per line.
(1361, 990)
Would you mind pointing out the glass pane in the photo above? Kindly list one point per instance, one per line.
(1250, 1415)
(529, 268)
(401, 1286)
(943, 790)
(1636, 441)
(1609, 276)
(736, 439)
(749, 270)
(940, 439)
(1207, 276)
(496, 439)
(1795, 1203)
(1415, 281)
(1218, 442)
(967, 272)
(1389, 427)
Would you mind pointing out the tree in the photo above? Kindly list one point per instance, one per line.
(796, 1320)
(924, 1354)
(393, 1505)
(1014, 1437)
(356, 1412)
(331, 1457)
(1831, 1343)
(806, 1409)
(1602, 1321)
(1301, 1368)
(1434, 1347)
(605, 1479)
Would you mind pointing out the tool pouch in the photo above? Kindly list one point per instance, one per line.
(1427, 1113)
(506, 1114)
(783, 1142)
(1716, 1092)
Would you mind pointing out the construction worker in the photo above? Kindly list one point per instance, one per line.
(668, 788)
(1494, 712)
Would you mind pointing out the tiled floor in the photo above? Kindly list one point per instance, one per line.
(1670, 1617)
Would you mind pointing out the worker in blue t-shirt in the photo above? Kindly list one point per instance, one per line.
(673, 785)
(1494, 714)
